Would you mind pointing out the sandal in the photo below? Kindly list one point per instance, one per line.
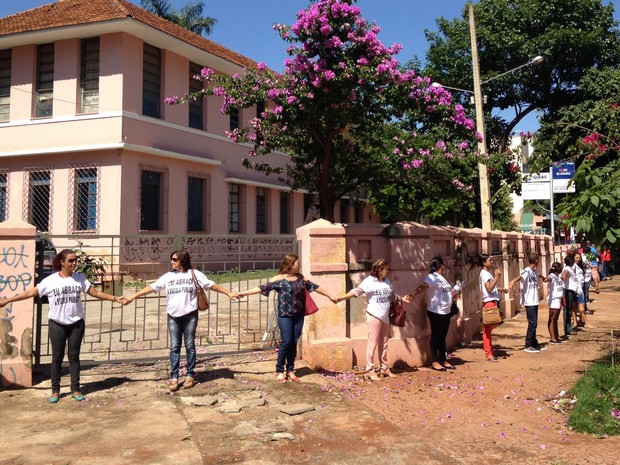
(291, 376)
(189, 382)
(174, 385)
(280, 378)
(388, 373)
(438, 367)
(372, 377)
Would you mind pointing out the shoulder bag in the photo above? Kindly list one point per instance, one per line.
(398, 314)
(490, 314)
(310, 307)
(454, 309)
(201, 296)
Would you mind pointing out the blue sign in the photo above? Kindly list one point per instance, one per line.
(563, 170)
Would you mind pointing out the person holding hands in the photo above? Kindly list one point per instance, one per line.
(379, 294)
(66, 316)
(291, 287)
(530, 299)
(182, 311)
(441, 295)
(490, 299)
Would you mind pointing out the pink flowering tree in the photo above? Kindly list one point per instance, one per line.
(351, 118)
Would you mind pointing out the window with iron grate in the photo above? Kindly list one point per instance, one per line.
(4, 194)
(39, 198)
(195, 107)
(86, 199)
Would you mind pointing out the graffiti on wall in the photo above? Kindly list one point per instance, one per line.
(158, 248)
(15, 278)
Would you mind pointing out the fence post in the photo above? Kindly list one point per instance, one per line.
(17, 259)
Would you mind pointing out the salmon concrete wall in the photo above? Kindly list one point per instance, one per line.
(338, 257)
(17, 256)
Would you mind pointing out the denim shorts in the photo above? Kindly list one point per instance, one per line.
(581, 299)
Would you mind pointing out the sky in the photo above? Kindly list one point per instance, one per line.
(246, 25)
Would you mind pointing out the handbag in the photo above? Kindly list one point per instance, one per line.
(491, 315)
(201, 295)
(398, 314)
(454, 309)
(309, 306)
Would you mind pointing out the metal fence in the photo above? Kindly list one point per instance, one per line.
(120, 265)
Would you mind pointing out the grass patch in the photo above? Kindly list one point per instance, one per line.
(235, 275)
(597, 410)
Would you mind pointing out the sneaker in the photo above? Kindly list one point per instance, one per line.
(532, 350)
(539, 347)
(174, 385)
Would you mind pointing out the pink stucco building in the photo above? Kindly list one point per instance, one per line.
(88, 147)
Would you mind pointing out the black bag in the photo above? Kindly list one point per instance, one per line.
(454, 309)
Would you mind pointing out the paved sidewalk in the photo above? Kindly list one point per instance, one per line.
(239, 414)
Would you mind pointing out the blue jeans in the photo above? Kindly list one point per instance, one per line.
(290, 331)
(183, 327)
(531, 311)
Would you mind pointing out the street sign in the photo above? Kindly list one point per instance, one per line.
(535, 191)
(563, 172)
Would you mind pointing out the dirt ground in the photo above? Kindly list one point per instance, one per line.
(480, 413)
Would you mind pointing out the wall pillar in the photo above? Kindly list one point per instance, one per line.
(17, 264)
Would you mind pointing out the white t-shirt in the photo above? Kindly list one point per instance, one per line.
(378, 294)
(485, 277)
(181, 291)
(65, 297)
(571, 282)
(440, 293)
(556, 291)
(580, 275)
(529, 287)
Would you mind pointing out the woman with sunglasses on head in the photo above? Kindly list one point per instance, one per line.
(379, 294)
(66, 316)
(182, 311)
(438, 311)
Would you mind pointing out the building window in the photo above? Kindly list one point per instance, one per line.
(84, 198)
(195, 106)
(151, 81)
(5, 84)
(153, 199)
(234, 119)
(236, 208)
(195, 204)
(89, 76)
(38, 198)
(261, 210)
(359, 212)
(285, 205)
(260, 108)
(344, 210)
(4, 194)
(44, 92)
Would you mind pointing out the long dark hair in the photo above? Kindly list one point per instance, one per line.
(482, 258)
(184, 259)
(436, 263)
(569, 260)
(556, 268)
(61, 257)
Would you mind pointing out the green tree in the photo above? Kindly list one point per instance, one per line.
(347, 114)
(572, 36)
(588, 133)
(189, 16)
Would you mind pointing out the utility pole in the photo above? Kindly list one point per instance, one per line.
(485, 197)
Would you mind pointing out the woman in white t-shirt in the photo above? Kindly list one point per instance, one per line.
(66, 316)
(580, 268)
(554, 299)
(379, 294)
(440, 295)
(490, 299)
(571, 288)
(182, 311)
